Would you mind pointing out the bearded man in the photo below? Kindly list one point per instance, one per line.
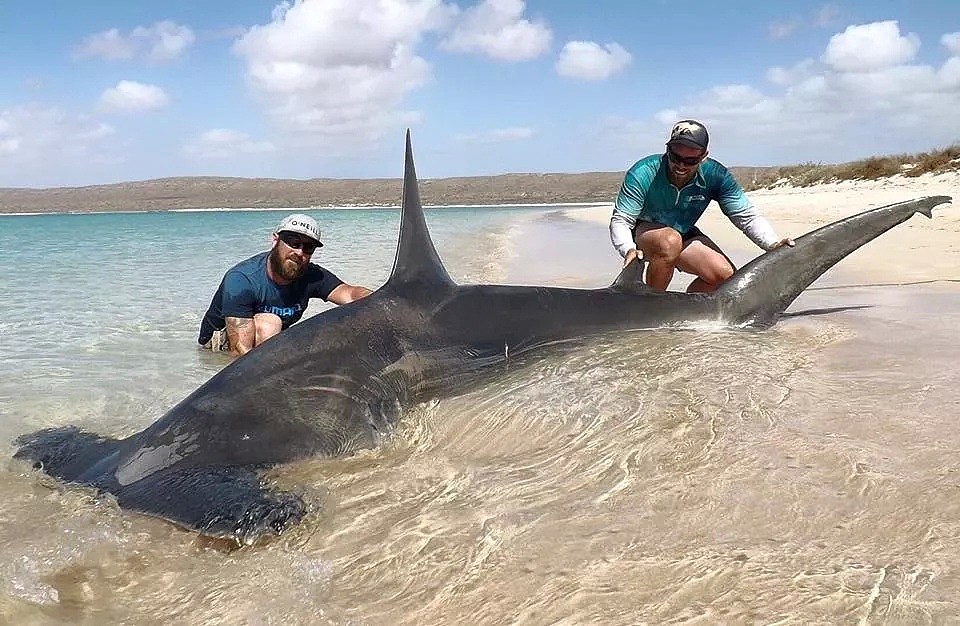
(265, 294)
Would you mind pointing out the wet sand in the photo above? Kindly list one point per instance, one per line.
(801, 475)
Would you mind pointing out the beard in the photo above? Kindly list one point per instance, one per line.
(288, 269)
(682, 179)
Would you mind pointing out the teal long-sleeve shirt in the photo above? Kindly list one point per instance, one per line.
(648, 195)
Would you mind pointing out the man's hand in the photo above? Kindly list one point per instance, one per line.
(786, 241)
(634, 254)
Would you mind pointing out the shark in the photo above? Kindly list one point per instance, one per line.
(340, 381)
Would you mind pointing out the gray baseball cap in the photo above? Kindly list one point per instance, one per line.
(689, 133)
(303, 224)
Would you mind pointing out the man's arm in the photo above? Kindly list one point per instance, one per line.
(629, 204)
(238, 307)
(242, 334)
(741, 212)
(621, 235)
(758, 229)
(345, 293)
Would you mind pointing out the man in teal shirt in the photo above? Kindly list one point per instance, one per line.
(660, 201)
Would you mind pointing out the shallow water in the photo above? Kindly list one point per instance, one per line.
(805, 474)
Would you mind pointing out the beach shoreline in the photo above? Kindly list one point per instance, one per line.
(307, 209)
(919, 250)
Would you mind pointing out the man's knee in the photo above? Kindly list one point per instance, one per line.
(665, 245)
(717, 273)
(724, 273)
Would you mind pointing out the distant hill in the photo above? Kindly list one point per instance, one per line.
(201, 192)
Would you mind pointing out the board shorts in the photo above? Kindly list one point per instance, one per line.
(693, 233)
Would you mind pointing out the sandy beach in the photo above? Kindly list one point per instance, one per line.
(805, 474)
(919, 250)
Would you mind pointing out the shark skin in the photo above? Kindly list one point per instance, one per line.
(341, 380)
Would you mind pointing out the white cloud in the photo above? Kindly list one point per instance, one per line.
(497, 136)
(334, 73)
(952, 43)
(109, 44)
(864, 99)
(591, 61)
(496, 28)
(164, 41)
(36, 137)
(221, 143)
(161, 42)
(791, 75)
(949, 74)
(132, 97)
(9, 142)
(9, 145)
(869, 47)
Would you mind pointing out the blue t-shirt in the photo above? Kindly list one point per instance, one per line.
(246, 290)
(648, 195)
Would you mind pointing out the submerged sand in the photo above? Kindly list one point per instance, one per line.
(803, 475)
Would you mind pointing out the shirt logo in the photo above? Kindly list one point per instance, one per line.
(283, 312)
(696, 198)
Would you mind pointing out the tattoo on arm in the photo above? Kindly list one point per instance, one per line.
(242, 334)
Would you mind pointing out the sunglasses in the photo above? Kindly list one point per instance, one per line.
(676, 158)
(298, 243)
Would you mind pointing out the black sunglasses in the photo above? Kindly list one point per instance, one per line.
(676, 158)
(297, 242)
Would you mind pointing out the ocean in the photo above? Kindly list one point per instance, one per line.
(91, 295)
(805, 474)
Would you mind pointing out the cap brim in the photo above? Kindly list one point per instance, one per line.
(685, 141)
(301, 233)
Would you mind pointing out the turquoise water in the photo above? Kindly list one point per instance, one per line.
(805, 474)
(100, 311)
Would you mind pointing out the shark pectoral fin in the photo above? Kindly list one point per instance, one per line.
(221, 501)
(630, 279)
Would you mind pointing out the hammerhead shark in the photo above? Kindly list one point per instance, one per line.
(340, 381)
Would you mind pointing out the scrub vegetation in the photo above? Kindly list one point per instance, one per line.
(907, 165)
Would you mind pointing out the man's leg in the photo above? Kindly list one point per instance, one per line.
(704, 259)
(662, 247)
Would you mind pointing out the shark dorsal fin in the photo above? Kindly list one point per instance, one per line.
(630, 279)
(417, 260)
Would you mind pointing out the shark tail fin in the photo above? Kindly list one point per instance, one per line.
(760, 291)
(417, 260)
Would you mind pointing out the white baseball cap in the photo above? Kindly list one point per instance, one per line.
(303, 224)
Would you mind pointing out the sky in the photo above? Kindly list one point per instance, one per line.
(111, 91)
